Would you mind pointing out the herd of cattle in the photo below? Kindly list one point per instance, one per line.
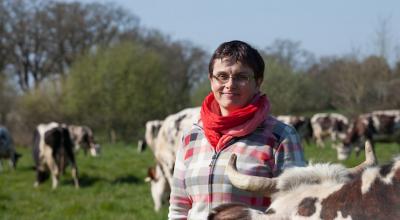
(313, 190)
(54, 147)
(163, 138)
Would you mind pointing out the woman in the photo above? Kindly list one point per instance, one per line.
(234, 119)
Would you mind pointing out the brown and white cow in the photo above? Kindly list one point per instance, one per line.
(7, 149)
(82, 137)
(165, 145)
(302, 125)
(160, 188)
(52, 151)
(331, 125)
(377, 126)
(321, 191)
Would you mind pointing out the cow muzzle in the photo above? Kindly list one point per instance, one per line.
(95, 150)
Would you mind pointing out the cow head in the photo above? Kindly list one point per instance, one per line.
(88, 139)
(83, 137)
(360, 130)
(94, 149)
(14, 159)
(286, 191)
(160, 189)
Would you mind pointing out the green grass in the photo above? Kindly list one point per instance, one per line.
(384, 153)
(112, 185)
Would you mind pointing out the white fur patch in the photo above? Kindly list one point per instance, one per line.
(256, 214)
(371, 174)
(339, 216)
(388, 179)
(368, 177)
(312, 174)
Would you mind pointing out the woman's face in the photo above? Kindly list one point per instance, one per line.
(237, 92)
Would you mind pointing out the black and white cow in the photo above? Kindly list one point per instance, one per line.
(82, 137)
(328, 125)
(321, 191)
(7, 150)
(164, 146)
(377, 126)
(52, 151)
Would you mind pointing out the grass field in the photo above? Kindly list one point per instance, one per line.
(112, 185)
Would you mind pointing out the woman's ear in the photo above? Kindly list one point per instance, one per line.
(209, 77)
(259, 82)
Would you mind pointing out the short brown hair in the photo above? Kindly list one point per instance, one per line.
(242, 52)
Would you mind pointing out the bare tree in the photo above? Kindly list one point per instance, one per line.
(383, 38)
(43, 38)
(290, 54)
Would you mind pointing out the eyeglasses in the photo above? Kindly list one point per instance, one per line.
(240, 79)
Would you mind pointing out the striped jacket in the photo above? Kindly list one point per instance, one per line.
(199, 181)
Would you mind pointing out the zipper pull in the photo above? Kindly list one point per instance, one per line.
(213, 159)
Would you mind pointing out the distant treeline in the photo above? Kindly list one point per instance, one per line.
(94, 64)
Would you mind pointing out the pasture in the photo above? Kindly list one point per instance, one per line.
(112, 185)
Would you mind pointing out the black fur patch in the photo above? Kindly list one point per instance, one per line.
(35, 150)
(385, 169)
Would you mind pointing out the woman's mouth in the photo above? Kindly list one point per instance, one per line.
(227, 94)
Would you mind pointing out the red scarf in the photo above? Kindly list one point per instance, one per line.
(221, 129)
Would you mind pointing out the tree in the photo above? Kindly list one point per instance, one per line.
(43, 38)
(383, 40)
(120, 88)
(186, 66)
(7, 98)
(289, 54)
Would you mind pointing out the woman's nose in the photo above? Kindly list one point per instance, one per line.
(231, 82)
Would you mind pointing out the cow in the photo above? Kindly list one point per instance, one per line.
(164, 146)
(321, 191)
(52, 151)
(82, 137)
(170, 135)
(377, 126)
(302, 125)
(7, 149)
(331, 125)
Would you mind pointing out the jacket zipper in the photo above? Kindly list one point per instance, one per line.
(210, 178)
(212, 167)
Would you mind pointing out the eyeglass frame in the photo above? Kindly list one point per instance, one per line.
(234, 77)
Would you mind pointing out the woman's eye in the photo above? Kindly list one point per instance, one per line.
(223, 77)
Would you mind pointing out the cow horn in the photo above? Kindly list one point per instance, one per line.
(263, 185)
(370, 159)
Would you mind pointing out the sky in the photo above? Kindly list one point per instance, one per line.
(325, 28)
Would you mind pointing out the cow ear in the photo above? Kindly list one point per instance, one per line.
(151, 172)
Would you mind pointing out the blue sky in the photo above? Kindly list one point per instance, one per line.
(334, 27)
